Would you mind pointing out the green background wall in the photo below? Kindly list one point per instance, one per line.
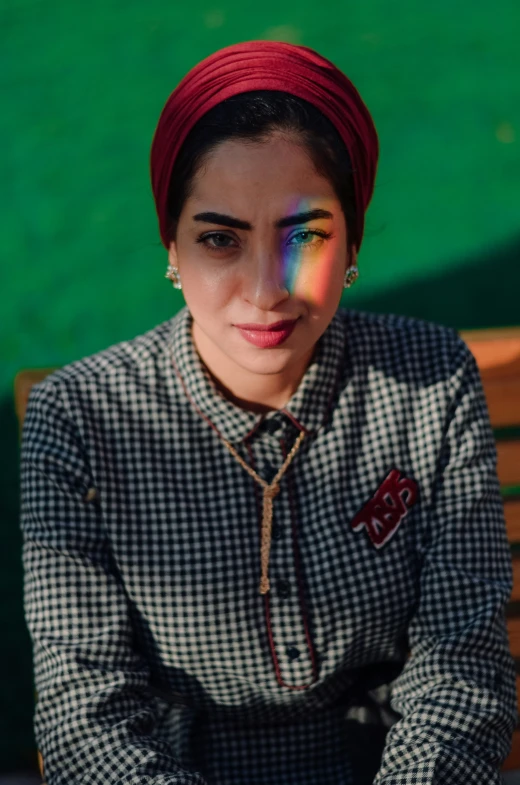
(82, 266)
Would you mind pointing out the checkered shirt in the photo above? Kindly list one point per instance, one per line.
(380, 654)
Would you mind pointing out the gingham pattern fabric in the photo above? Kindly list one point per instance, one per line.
(156, 659)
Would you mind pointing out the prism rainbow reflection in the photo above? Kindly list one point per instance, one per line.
(308, 267)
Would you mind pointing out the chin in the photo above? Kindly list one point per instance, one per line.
(262, 362)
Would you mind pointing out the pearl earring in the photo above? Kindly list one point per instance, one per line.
(172, 274)
(351, 276)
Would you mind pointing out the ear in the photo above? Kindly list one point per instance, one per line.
(352, 257)
(172, 254)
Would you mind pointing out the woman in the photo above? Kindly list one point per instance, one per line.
(264, 542)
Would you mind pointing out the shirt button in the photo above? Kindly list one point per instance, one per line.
(293, 653)
(276, 532)
(283, 588)
(270, 472)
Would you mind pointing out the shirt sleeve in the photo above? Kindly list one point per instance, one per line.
(456, 694)
(95, 715)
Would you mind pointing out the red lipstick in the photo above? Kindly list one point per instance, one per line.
(267, 336)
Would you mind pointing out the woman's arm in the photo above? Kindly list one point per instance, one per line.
(456, 694)
(95, 717)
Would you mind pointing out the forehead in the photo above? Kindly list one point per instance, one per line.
(277, 165)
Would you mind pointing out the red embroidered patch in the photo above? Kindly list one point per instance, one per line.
(384, 512)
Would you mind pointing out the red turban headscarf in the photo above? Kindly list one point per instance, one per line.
(265, 65)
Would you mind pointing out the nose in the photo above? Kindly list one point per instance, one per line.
(266, 283)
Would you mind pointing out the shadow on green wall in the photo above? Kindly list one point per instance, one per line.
(476, 294)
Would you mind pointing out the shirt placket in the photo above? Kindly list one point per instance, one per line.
(288, 627)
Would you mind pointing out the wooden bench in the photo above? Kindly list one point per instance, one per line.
(497, 353)
(498, 356)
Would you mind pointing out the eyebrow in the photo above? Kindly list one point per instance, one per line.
(236, 223)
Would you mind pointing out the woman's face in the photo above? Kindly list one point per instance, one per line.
(259, 272)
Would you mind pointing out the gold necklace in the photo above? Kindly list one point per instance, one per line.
(270, 491)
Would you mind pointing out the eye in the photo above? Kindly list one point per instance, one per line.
(319, 233)
(208, 240)
(204, 240)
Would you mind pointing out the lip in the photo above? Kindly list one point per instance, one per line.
(268, 338)
(282, 325)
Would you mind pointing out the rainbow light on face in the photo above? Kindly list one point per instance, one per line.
(308, 272)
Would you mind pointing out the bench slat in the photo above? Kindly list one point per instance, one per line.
(512, 513)
(513, 628)
(502, 400)
(23, 383)
(497, 352)
(508, 463)
(515, 594)
(513, 761)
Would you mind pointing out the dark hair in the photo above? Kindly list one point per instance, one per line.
(254, 116)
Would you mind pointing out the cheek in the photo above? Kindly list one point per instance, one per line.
(314, 277)
(205, 286)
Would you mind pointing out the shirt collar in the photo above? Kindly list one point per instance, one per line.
(309, 406)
